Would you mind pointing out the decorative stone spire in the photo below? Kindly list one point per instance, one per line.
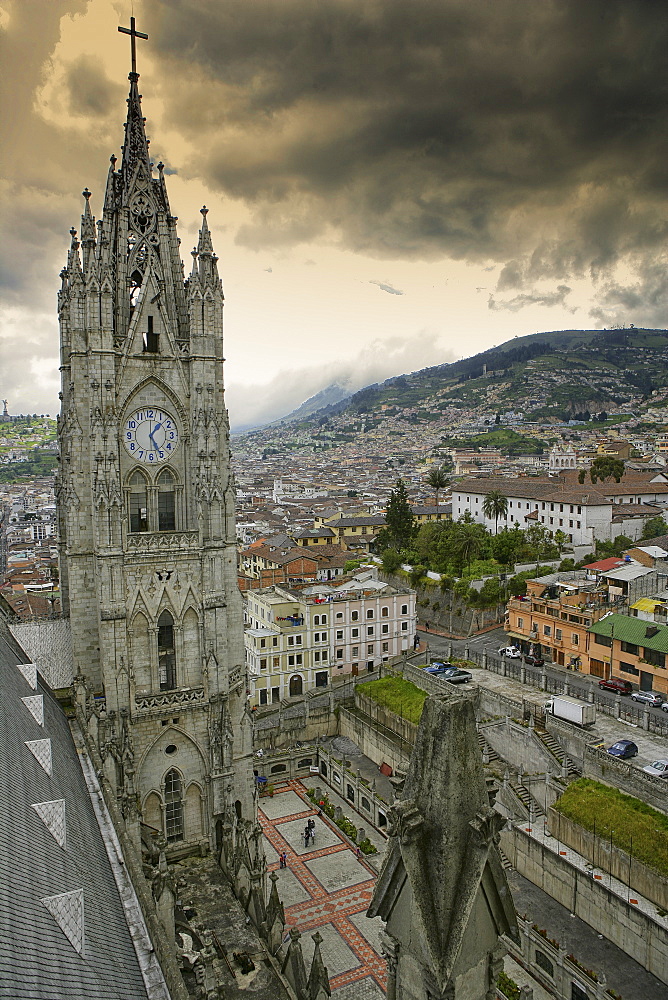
(87, 231)
(204, 245)
(73, 259)
(135, 147)
(318, 980)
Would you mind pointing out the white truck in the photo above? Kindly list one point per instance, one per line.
(580, 712)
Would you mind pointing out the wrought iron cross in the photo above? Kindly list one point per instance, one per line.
(133, 33)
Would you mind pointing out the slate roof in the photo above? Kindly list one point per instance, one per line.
(63, 930)
(633, 630)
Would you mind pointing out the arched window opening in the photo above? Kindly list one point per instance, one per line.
(166, 501)
(295, 685)
(166, 653)
(136, 280)
(173, 806)
(138, 503)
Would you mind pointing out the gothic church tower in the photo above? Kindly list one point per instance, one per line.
(146, 508)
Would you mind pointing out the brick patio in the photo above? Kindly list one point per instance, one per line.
(326, 888)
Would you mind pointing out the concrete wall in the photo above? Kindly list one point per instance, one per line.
(380, 747)
(519, 746)
(626, 776)
(624, 924)
(385, 717)
(597, 850)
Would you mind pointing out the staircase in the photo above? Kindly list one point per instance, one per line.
(555, 749)
(527, 799)
(485, 748)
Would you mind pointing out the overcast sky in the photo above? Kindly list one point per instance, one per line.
(390, 184)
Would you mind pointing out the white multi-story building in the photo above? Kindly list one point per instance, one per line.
(296, 641)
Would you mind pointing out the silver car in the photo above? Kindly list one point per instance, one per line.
(648, 698)
(659, 768)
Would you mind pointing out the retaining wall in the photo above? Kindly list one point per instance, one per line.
(627, 777)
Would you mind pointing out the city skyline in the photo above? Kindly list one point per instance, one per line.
(387, 189)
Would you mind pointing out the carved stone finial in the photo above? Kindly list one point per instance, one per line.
(204, 211)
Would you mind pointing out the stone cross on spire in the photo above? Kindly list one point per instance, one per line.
(133, 33)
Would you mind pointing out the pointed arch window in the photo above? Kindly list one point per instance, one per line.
(138, 502)
(136, 280)
(166, 501)
(166, 652)
(173, 806)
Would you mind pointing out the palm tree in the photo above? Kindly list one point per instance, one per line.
(466, 542)
(437, 479)
(494, 505)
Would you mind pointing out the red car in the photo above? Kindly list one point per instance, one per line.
(617, 684)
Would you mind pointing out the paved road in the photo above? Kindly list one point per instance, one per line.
(580, 685)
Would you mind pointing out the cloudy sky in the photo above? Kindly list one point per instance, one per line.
(391, 184)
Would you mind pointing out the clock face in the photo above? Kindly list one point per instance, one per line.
(150, 436)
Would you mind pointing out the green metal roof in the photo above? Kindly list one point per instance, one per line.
(633, 630)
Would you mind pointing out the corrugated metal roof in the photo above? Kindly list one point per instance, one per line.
(633, 630)
(648, 604)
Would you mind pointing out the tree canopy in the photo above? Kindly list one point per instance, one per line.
(495, 504)
(399, 521)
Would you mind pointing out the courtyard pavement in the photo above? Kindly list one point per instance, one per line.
(327, 888)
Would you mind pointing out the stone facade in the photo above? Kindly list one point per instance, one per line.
(146, 514)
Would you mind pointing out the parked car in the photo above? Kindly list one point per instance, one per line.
(648, 697)
(664, 706)
(617, 684)
(534, 661)
(623, 749)
(659, 768)
(512, 652)
(457, 676)
(436, 667)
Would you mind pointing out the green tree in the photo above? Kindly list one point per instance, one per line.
(399, 520)
(604, 467)
(466, 542)
(391, 560)
(507, 544)
(495, 505)
(437, 479)
(560, 539)
(655, 526)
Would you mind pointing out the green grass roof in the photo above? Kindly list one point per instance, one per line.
(633, 630)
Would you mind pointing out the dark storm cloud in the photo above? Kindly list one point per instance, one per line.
(89, 91)
(524, 132)
(555, 298)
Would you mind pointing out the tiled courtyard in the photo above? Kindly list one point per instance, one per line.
(326, 888)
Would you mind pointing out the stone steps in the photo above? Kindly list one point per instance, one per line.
(555, 749)
(486, 749)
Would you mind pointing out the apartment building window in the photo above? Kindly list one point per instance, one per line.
(384, 612)
(603, 640)
(275, 695)
(547, 630)
(654, 657)
(354, 616)
(291, 660)
(404, 609)
(321, 679)
(551, 520)
(323, 655)
(579, 510)
(578, 524)
(339, 654)
(339, 615)
(276, 662)
(561, 508)
(557, 633)
(575, 639)
(629, 647)
(263, 663)
(385, 629)
(369, 630)
(404, 626)
(369, 648)
(339, 635)
(628, 668)
(316, 656)
(274, 641)
(356, 651)
(263, 696)
(369, 613)
(386, 647)
(298, 639)
(570, 524)
(520, 622)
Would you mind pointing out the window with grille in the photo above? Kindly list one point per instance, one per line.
(166, 501)
(166, 652)
(173, 806)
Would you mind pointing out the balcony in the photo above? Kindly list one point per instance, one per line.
(183, 698)
(147, 542)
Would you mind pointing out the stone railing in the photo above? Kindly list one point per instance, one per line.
(162, 541)
(169, 699)
(625, 775)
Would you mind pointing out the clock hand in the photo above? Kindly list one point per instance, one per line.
(151, 438)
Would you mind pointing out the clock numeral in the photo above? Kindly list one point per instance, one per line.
(168, 446)
(132, 446)
(168, 425)
(141, 453)
(132, 424)
(129, 436)
(161, 454)
(149, 414)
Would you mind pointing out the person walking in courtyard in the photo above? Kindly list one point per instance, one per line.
(284, 860)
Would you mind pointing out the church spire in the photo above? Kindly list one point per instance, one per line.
(87, 231)
(135, 149)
